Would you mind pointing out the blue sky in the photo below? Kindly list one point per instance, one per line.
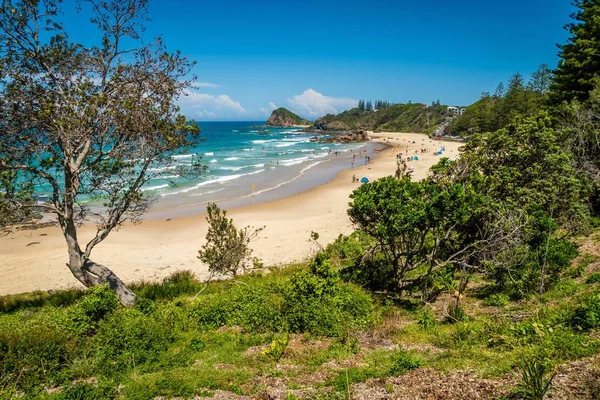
(315, 57)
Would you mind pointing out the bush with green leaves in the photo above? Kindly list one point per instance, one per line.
(404, 362)
(496, 300)
(536, 378)
(317, 301)
(85, 315)
(226, 251)
(593, 278)
(129, 339)
(587, 314)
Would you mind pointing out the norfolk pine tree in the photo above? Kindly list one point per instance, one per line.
(86, 122)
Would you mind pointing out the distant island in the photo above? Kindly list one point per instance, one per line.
(284, 117)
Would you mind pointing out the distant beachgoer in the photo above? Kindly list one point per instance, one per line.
(353, 178)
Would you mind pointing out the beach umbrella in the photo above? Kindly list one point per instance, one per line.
(364, 179)
(415, 158)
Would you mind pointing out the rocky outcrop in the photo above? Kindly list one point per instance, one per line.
(284, 117)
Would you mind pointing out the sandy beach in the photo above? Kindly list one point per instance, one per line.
(35, 259)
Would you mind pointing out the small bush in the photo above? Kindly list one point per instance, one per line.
(496, 300)
(426, 318)
(587, 315)
(536, 378)
(456, 313)
(593, 278)
(178, 284)
(130, 339)
(83, 318)
(404, 362)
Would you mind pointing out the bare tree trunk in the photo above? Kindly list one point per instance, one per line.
(90, 273)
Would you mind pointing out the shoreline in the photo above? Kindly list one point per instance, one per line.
(35, 259)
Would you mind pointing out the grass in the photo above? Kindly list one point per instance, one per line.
(171, 345)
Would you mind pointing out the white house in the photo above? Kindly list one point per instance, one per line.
(456, 110)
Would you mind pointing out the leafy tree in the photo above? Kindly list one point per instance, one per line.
(226, 251)
(541, 80)
(530, 182)
(81, 123)
(580, 56)
(419, 227)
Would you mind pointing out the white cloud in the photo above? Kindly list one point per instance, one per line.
(202, 105)
(314, 104)
(205, 85)
(267, 110)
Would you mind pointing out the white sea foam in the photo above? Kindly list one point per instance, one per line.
(159, 169)
(262, 141)
(293, 161)
(156, 187)
(213, 160)
(209, 154)
(258, 165)
(209, 192)
(286, 144)
(231, 168)
(219, 180)
(180, 156)
(232, 158)
(247, 149)
(289, 181)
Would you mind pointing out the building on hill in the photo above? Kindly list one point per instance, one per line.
(456, 110)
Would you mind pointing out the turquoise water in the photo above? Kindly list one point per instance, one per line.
(252, 160)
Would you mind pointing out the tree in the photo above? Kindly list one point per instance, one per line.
(580, 56)
(83, 124)
(541, 79)
(417, 226)
(226, 251)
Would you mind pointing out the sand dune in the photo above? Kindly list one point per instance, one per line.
(35, 259)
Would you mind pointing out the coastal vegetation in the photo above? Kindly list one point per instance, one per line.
(284, 117)
(479, 281)
(87, 122)
(412, 117)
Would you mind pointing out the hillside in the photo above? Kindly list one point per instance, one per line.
(284, 117)
(398, 117)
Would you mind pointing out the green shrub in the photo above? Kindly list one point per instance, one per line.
(456, 313)
(129, 339)
(587, 315)
(37, 347)
(87, 391)
(178, 284)
(593, 278)
(496, 300)
(536, 378)
(426, 318)
(83, 318)
(404, 362)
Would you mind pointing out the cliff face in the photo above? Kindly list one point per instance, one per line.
(284, 117)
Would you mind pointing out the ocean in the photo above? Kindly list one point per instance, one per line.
(250, 162)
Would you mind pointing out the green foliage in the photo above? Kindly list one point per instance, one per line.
(497, 300)
(175, 285)
(404, 362)
(536, 378)
(284, 115)
(426, 318)
(417, 227)
(389, 117)
(587, 314)
(278, 347)
(226, 251)
(579, 63)
(130, 339)
(84, 317)
(493, 112)
(593, 278)
(316, 301)
(456, 313)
